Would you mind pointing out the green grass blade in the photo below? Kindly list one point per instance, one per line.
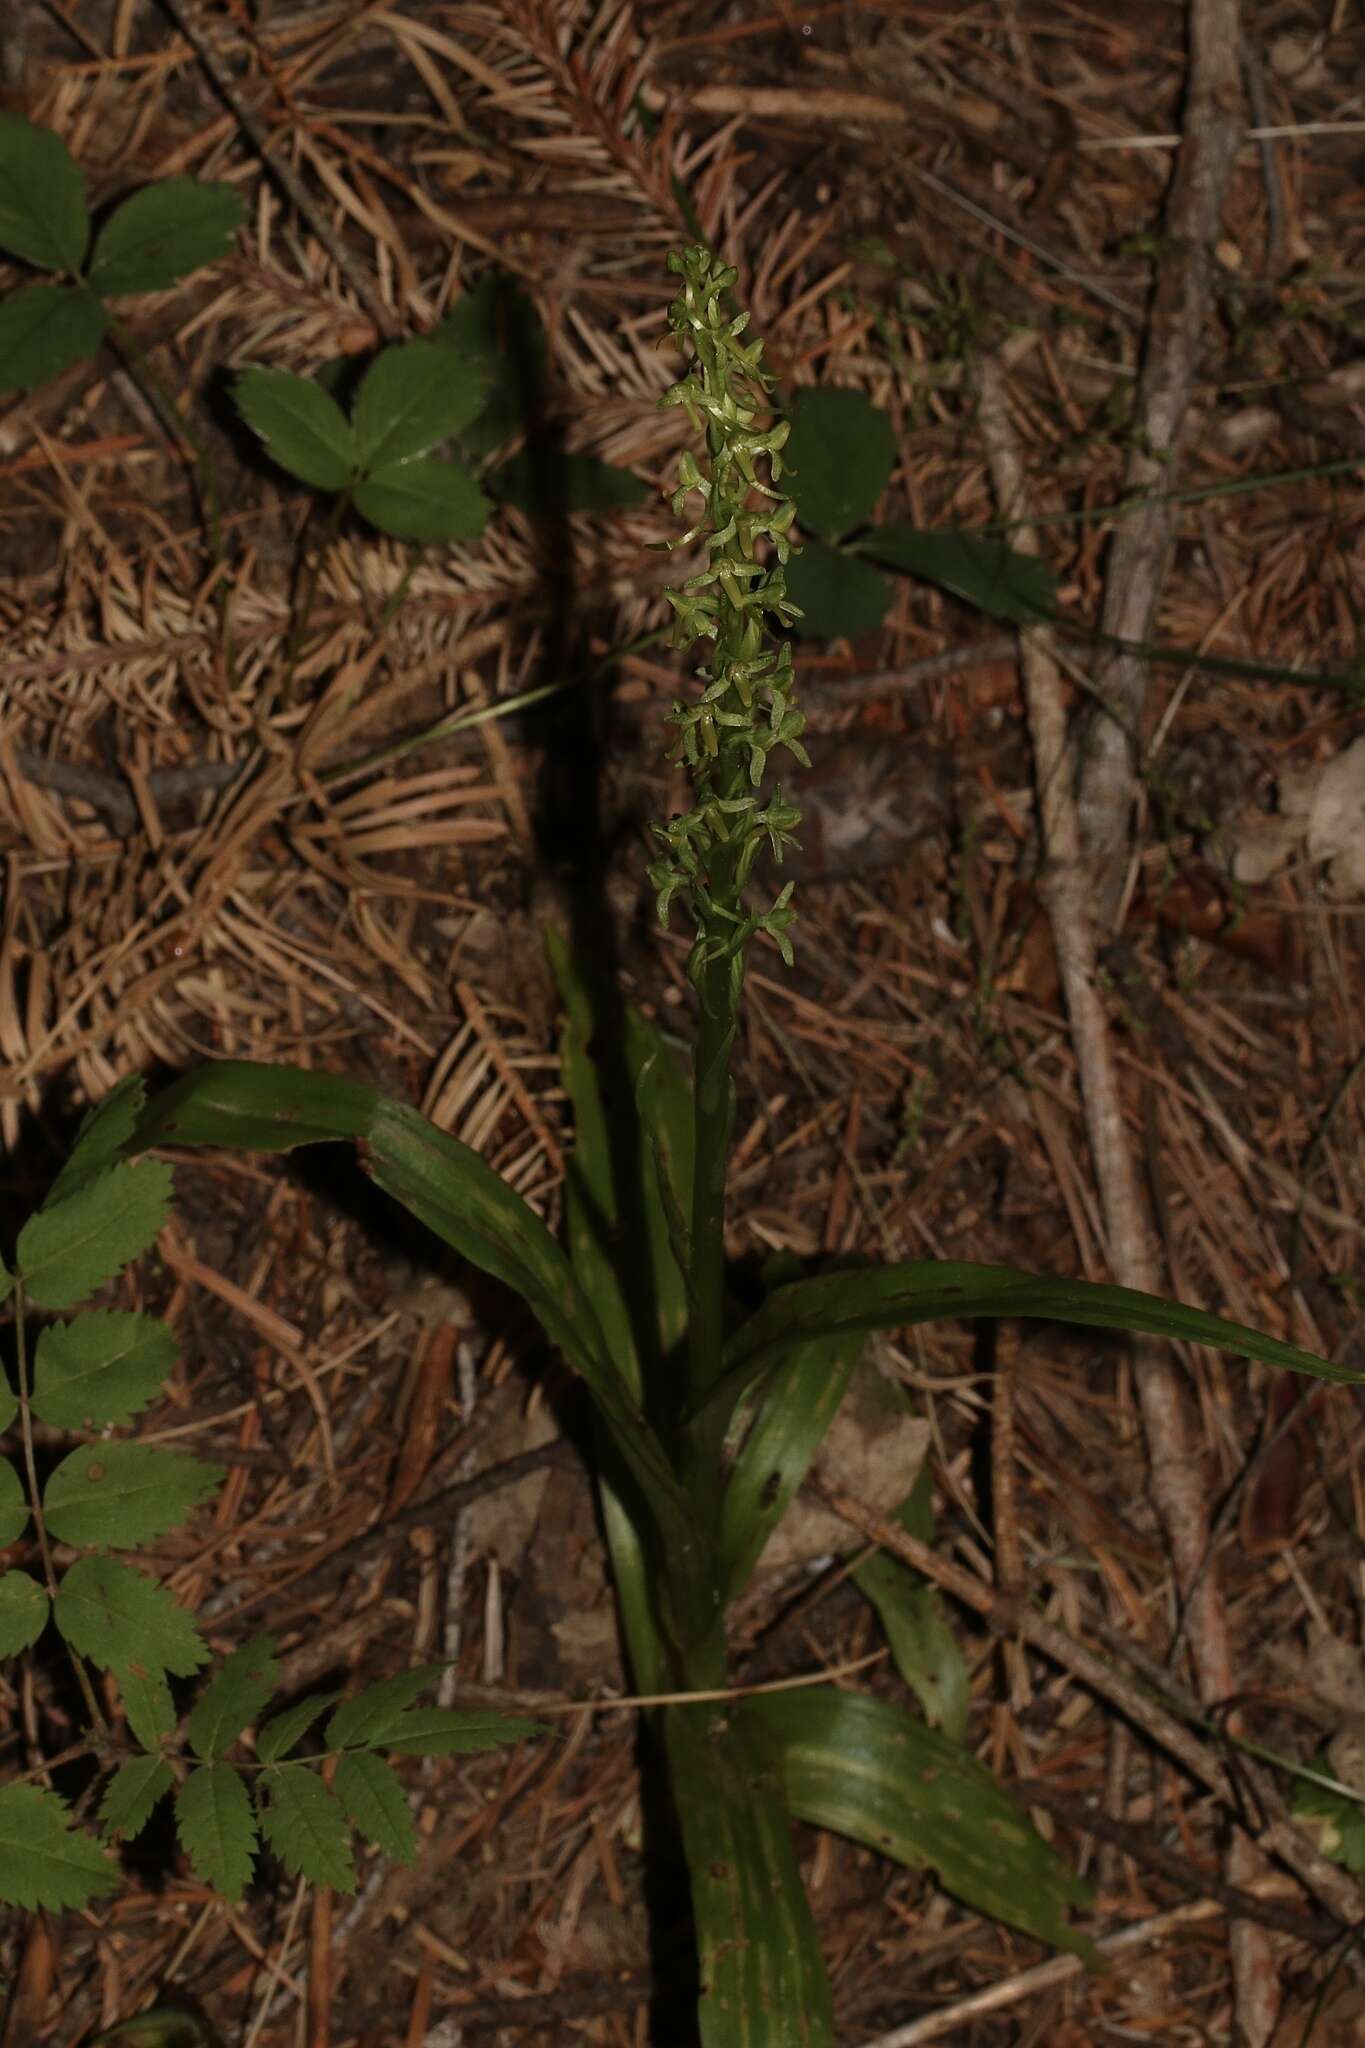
(763, 1981)
(867, 1769)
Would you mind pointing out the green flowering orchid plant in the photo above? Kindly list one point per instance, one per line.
(707, 1418)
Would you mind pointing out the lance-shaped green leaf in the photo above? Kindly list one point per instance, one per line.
(763, 1980)
(131, 1794)
(105, 1367)
(233, 1698)
(217, 1828)
(374, 1803)
(303, 429)
(14, 1507)
(163, 233)
(42, 197)
(978, 568)
(866, 1769)
(279, 1736)
(44, 1861)
(306, 1827)
(423, 500)
(64, 1253)
(105, 1134)
(23, 1612)
(798, 1405)
(935, 1290)
(927, 1654)
(123, 1495)
(413, 397)
(44, 329)
(119, 1619)
(255, 1108)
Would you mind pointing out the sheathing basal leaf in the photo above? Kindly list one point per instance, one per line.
(44, 1860)
(65, 1252)
(868, 1770)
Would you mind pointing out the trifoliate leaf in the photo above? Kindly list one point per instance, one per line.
(375, 1804)
(44, 329)
(306, 1827)
(105, 1367)
(99, 1143)
(131, 1794)
(360, 1722)
(279, 1736)
(424, 500)
(837, 461)
(162, 234)
(839, 595)
(234, 1698)
(303, 429)
(14, 1507)
(148, 1705)
(117, 1618)
(217, 1828)
(42, 197)
(44, 1861)
(66, 1252)
(411, 399)
(549, 483)
(23, 1612)
(122, 1495)
(978, 568)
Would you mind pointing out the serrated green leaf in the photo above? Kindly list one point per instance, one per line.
(413, 397)
(131, 1794)
(44, 1861)
(105, 1367)
(303, 430)
(838, 595)
(797, 1407)
(935, 1290)
(838, 460)
(979, 569)
(117, 1618)
(105, 1132)
(234, 1698)
(279, 1736)
(927, 1654)
(14, 1507)
(361, 1720)
(148, 1705)
(122, 1495)
(43, 215)
(44, 329)
(66, 1252)
(23, 1612)
(447, 1731)
(551, 483)
(217, 1828)
(870, 1771)
(424, 500)
(374, 1803)
(306, 1827)
(163, 233)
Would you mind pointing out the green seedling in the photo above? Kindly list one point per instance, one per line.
(88, 1374)
(148, 243)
